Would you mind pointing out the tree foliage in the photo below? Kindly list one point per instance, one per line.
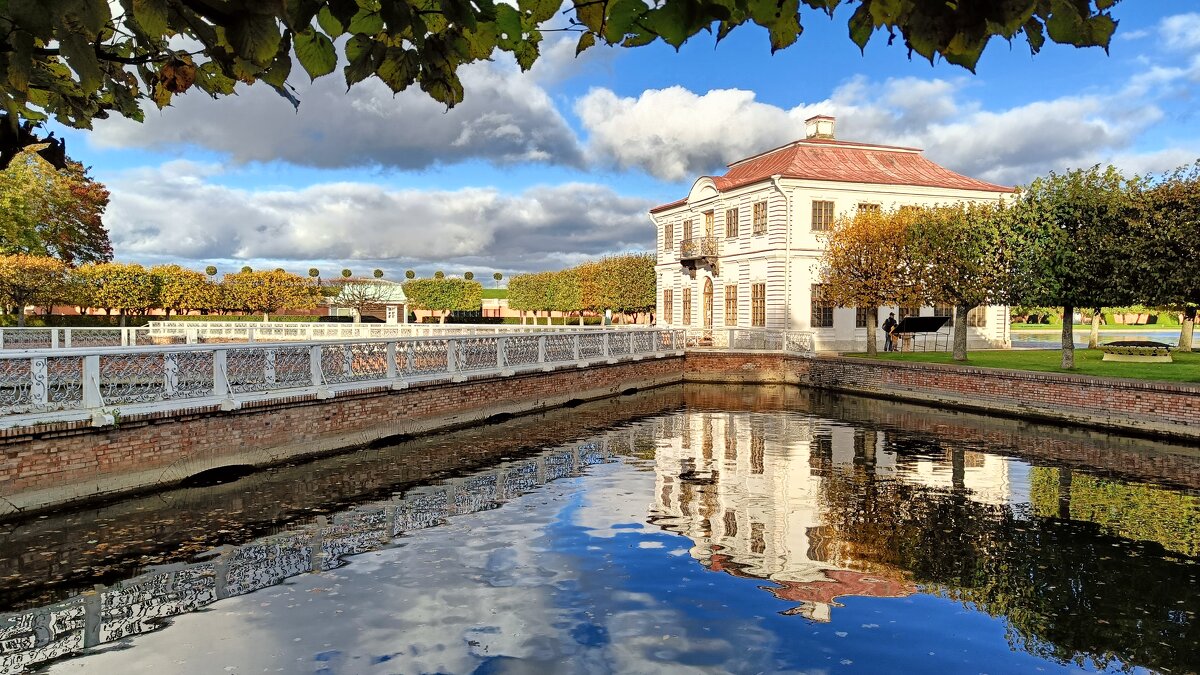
(960, 256)
(119, 287)
(47, 212)
(1067, 230)
(76, 60)
(30, 280)
(444, 295)
(268, 292)
(867, 264)
(182, 290)
(359, 294)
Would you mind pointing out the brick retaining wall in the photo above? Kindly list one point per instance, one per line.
(62, 463)
(1153, 408)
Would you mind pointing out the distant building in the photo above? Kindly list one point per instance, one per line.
(743, 249)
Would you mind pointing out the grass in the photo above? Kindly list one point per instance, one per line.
(1186, 367)
(495, 293)
(1082, 327)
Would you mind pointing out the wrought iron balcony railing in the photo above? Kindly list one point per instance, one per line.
(698, 247)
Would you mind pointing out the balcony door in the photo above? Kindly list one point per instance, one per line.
(708, 302)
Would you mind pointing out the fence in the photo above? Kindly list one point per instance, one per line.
(753, 339)
(63, 338)
(64, 385)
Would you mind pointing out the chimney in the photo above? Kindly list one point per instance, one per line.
(819, 126)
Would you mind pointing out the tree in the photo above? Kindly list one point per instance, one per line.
(359, 294)
(959, 257)
(1067, 231)
(439, 275)
(121, 287)
(497, 277)
(410, 274)
(866, 264)
(468, 275)
(630, 283)
(268, 292)
(444, 295)
(246, 269)
(378, 273)
(182, 290)
(346, 273)
(530, 293)
(30, 280)
(74, 60)
(1163, 244)
(47, 212)
(211, 270)
(314, 273)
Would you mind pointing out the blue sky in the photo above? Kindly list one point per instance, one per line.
(542, 169)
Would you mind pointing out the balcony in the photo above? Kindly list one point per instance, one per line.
(696, 252)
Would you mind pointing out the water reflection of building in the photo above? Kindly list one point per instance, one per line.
(749, 491)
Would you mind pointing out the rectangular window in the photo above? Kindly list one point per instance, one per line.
(865, 207)
(945, 310)
(822, 216)
(687, 306)
(977, 317)
(908, 311)
(687, 230)
(760, 217)
(731, 223)
(668, 305)
(822, 309)
(709, 219)
(758, 304)
(669, 236)
(860, 317)
(731, 306)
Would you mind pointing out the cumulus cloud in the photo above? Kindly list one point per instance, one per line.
(506, 117)
(675, 134)
(1181, 32)
(179, 212)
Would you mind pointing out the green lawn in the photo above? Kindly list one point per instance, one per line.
(495, 293)
(1083, 327)
(1186, 367)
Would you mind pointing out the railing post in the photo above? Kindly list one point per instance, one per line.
(501, 344)
(315, 373)
(39, 384)
(575, 345)
(541, 349)
(451, 366)
(170, 374)
(191, 335)
(604, 340)
(391, 360)
(309, 332)
(249, 333)
(54, 338)
(221, 374)
(91, 383)
(124, 337)
(67, 337)
(1, 338)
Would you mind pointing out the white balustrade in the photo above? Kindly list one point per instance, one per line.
(50, 385)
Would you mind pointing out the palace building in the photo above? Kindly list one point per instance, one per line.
(744, 249)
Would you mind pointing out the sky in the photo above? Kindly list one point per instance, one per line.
(544, 169)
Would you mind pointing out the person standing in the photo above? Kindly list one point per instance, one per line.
(889, 345)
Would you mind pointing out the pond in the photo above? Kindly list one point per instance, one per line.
(1043, 340)
(685, 529)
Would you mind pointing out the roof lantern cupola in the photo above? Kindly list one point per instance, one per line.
(819, 126)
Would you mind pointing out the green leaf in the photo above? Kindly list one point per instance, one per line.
(591, 14)
(399, 68)
(254, 37)
(586, 41)
(329, 23)
(300, 13)
(526, 53)
(20, 62)
(1035, 35)
(316, 53)
(539, 11)
(81, 56)
(621, 17)
(152, 16)
(861, 26)
(277, 74)
(367, 23)
(508, 27)
(361, 54)
(92, 15)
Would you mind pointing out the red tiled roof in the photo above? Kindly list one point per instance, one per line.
(846, 162)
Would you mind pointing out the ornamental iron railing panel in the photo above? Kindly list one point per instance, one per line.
(698, 247)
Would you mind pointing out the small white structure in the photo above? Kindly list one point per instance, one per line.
(744, 249)
(374, 297)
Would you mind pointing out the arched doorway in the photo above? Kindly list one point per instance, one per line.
(708, 302)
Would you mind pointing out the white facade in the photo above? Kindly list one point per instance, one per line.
(784, 257)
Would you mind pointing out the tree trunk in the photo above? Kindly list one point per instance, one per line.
(1094, 335)
(266, 317)
(960, 332)
(20, 316)
(1068, 338)
(1185, 332)
(357, 316)
(122, 320)
(872, 327)
(580, 318)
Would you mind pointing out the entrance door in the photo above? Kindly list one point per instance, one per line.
(708, 302)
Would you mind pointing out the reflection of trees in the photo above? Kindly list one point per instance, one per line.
(1068, 591)
(1130, 510)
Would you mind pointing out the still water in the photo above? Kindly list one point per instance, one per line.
(1042, 340)
(686, 529)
